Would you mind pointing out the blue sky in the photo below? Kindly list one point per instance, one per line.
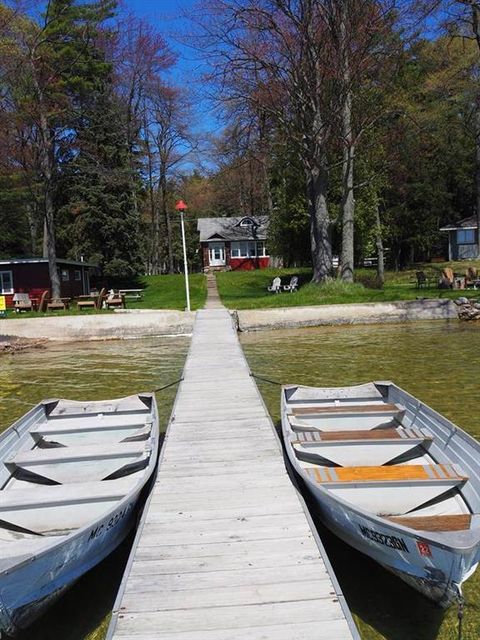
(167, 17)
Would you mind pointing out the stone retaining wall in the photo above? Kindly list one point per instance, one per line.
(143, 324)
(369, 313)
(102, 326)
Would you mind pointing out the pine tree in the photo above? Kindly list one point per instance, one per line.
(104, 226)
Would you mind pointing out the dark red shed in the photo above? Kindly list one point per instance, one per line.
(30, 275)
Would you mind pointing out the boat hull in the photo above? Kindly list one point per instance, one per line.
(438, 575)
(50, 575)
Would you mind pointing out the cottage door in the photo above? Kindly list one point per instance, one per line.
(216, 254)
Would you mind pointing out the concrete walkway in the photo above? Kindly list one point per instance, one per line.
(213, 299)
(225, 550)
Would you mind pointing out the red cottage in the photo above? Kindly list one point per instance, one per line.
(234, 243)
(30, 275)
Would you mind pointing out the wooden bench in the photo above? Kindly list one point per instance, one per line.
(86, 304)
(457, 522)
(387, 474)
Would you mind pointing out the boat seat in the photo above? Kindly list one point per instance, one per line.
(394, 473)
(455, 522)
(371, 448)
(100, 420)
(56, 509)
(388, 490)
(91, 433)
(342, 409)
(367, 434)
(82, 464)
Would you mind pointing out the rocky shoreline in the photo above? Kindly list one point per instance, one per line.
(12, 344)
(468, 309)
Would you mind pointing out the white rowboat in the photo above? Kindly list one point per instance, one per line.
(392, 478)
(72, 475)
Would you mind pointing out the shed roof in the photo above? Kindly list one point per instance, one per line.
(466, 223)
(73, 263)
(230, 229)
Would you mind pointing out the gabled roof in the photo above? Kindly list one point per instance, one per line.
(230, 228)
(466, 223)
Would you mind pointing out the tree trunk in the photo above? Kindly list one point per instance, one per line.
(46, 154)
(320, 225)
(154, 212)
(379, 244)
(348, 211)
(168, 222)
(477, 170)
(348, 202)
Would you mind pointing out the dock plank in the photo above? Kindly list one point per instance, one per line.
(225, 551)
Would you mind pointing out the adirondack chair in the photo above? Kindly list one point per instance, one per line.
(276, 286)
(22, 302)
(292, 285)
(115, 300)
(42, 305)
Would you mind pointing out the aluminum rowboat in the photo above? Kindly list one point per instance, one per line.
(70, 482)
(392, 478)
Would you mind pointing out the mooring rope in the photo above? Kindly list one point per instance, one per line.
(279, 384)
(461, 603)
(172, 384)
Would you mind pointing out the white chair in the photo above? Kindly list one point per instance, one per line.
(276, 286)
(292, 286)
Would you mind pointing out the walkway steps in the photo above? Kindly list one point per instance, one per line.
(225, 550)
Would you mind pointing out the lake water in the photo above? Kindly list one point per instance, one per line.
(89, 370)
(437, 362)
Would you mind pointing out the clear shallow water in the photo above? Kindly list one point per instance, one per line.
(437, 362)
(95, 371)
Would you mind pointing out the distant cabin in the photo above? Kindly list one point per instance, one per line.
(234, 243)
(31, 275)
(462, 239)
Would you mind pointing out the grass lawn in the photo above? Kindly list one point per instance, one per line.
(159, 292)
(168, 292)
(248, 289)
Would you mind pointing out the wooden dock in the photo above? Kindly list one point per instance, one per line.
(225, 550)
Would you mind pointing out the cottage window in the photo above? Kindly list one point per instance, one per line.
(78, 275)
(65, 275)
(250, 249)
(6, 282)
(246, 222)
(465, 236)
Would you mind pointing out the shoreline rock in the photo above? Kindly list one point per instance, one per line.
(12, 344)
(468, 309)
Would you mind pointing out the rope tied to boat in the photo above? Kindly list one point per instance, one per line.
(460, 611)
(166, 386)
(253, 375)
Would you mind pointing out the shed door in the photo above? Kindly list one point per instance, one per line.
(216, 254)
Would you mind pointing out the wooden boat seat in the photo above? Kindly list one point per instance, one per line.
(304, 437)
(347, 410)
(387, 474)
(456, 522)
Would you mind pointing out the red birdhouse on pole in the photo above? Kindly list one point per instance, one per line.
(181, 206)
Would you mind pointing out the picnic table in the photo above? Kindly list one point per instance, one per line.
(131, 294)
